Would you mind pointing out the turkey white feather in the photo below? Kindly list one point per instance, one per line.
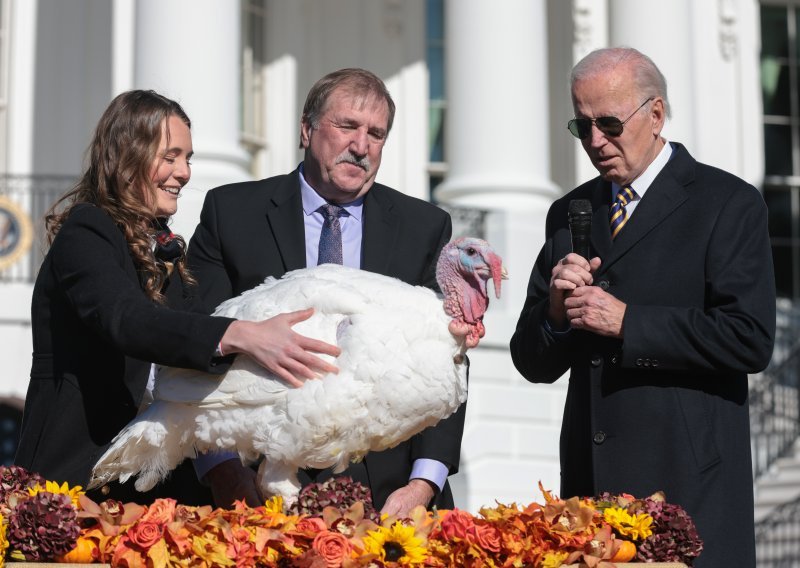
(400, 371)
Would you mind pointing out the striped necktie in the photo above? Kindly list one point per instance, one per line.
(330, 238)
(618, 214)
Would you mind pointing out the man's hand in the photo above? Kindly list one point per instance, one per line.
(593, 309)
(569, 274)
(231, 481)
(401, 501)
(276, 347)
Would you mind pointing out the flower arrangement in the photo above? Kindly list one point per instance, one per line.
(664, 531)
(333, 525)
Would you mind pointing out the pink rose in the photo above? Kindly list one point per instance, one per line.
(332, 547)
(487, 537)
(145, 534)
(310, 525)
(161, 512)
(457, 524)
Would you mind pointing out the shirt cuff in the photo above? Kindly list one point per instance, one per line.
(204, 463)
(430, 470)
(553, 333)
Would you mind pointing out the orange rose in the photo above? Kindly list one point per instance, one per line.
(145, 534)
(332, 547)
(161, 512)
(310, 525)
(458, 524)
(487, 537)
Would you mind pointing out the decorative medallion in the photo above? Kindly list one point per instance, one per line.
(16, 232)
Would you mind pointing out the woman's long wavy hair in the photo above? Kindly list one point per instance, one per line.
(117, 179)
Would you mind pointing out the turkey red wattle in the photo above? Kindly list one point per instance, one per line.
(463, 270)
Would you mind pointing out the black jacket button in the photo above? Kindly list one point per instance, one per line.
(599, 437)
(597, 361)
(604, 284)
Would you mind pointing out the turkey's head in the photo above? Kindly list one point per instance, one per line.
(464, 268)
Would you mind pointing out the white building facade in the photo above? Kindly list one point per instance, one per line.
(482, 104)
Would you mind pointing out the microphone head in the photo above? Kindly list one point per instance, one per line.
(579, 208)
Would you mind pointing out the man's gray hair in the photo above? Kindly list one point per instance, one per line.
(650, 82)
(358, 82)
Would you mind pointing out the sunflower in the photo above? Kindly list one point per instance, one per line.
(274, 504)
(63, 489)
(553, 559)
(636, 527)
(396, 544)
(3, 541)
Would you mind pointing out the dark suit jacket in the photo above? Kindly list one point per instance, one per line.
(666, 408)
(94, 336)
(252, 230)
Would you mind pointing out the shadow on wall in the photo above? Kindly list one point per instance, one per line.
(10, 422)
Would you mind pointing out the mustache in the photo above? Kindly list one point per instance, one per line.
(348, 157)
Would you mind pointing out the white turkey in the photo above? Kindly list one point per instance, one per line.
(400, 371)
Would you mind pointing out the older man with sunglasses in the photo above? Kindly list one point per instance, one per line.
(661, 325)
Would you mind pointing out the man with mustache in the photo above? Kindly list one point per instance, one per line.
(249, 231)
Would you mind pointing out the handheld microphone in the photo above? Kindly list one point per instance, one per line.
(580, 225)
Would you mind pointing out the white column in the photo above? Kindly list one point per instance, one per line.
(123, 46)
(497, 107)
(498, 156)
(635, 23)
(189, 50)
(21, 84)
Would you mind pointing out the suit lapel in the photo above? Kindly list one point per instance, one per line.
(285, 218)
(379, 231)
(667, 192)
(601, 232)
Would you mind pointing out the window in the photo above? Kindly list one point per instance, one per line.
(252, 127)
(780, 86)
(437, 104)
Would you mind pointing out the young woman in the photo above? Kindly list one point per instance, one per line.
(110, 297)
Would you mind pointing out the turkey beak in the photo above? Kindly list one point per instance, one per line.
(499, 272)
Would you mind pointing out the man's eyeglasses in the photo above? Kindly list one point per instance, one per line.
(608, 125)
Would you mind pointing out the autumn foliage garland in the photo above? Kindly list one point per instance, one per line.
(346, 533)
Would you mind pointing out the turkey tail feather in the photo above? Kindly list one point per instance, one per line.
(141, 449)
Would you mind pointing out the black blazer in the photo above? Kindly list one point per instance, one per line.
(94, 336)
(666, 408)
(249, 231)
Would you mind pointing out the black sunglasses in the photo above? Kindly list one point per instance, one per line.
(608, 125)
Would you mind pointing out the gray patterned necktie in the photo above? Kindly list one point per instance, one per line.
(330, 238)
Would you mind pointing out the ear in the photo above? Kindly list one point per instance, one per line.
(658, 115)
(305, 133)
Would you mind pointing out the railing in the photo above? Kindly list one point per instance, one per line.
(787, 336)
(778, 538)
(774, 413)
(23, 203)
(775, 396)
(775, 426)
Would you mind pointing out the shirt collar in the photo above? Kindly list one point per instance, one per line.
(312, 200)
(643, 182)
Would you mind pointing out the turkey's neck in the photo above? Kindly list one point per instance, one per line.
(464, 299)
